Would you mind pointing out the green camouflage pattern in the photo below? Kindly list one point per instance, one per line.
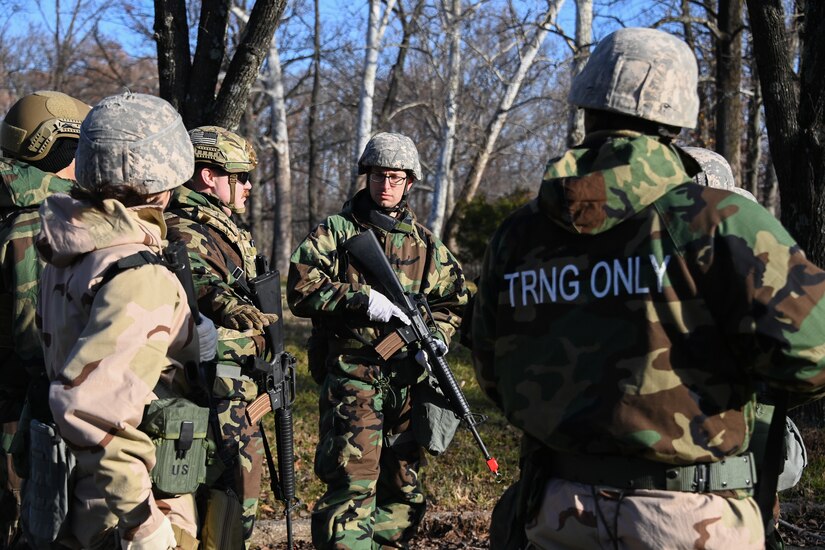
(22, 189)
(222, 258)
(366, 453)
(108, 349)
(629, 311)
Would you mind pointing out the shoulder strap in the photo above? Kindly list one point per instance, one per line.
(138, 259)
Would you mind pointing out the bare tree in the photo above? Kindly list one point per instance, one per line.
(795, 116)
(190, 86)
(528, 54)
(314, 180)
(729, 114)
(581, 53)
(376, 26)
(443, 174)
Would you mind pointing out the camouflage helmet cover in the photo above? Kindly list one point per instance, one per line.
(389, 150)
(134, 140)
(36, 121)
(716, 171)
(223, 148)
(645, 73)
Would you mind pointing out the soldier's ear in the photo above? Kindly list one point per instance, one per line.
(209, 177)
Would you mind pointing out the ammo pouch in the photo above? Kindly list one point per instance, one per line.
(178, 429)
(48, 489)
(433, 422)
(794, 456)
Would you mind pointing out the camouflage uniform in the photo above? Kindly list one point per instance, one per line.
(222, 257)
(110, 349)
(38, 136)
(22, 190)
(621, 321)
(366, 454)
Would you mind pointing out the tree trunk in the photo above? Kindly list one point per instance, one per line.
(282, 226)
(243, 69)
(584, 37)
(375, 33)
(729, 124)
(750, 174)
(452, 23)
(497, 123)
(206, 66)
(172, 37)
(314, 177)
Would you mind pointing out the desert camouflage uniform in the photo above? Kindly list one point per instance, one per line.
(366, 454)
(222, 258)
(108, 350)
(22, 190)
(627, 311)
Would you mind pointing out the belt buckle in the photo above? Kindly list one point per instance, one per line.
(701, 478)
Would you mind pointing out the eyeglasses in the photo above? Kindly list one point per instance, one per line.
(380, 177)
(243, 177)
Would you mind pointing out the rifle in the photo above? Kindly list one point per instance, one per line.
(370, 258)
(277, 378)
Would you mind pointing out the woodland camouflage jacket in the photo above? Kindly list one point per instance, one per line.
(628, 311)
(322, 283)
(22, 189)
(107, 346)
(222, 258)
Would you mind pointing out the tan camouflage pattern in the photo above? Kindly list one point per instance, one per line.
(389, 150)
(106, 349)
(573, 515)
(134, 140)
(366, 454)
(213, 241)
(223, 148)
(36, 121)
(645, 73)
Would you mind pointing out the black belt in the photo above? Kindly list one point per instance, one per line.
(620, 472)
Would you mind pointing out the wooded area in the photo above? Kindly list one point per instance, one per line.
(480, 86)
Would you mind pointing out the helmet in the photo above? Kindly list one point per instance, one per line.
(388, 150)
(134, 140)
(37, 120)
(220, 147)
(643, 73)
(715, 172)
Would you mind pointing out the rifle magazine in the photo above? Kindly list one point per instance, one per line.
(258, 408)
(390, 345)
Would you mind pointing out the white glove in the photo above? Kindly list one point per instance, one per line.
(162, 539)
(381, 309)
(207, 339)
(440, 351)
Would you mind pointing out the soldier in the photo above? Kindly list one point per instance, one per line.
(38, 137)
(366, 454)
(624, 315)
(222, 256)
(117, 332)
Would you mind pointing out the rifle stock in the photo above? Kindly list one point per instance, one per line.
(277, 378)
(370, 259)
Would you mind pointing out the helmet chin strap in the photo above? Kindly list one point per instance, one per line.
(233, 181)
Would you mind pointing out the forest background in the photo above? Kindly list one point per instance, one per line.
(480, 86)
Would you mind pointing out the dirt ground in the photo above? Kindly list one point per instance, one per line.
(803, 526)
